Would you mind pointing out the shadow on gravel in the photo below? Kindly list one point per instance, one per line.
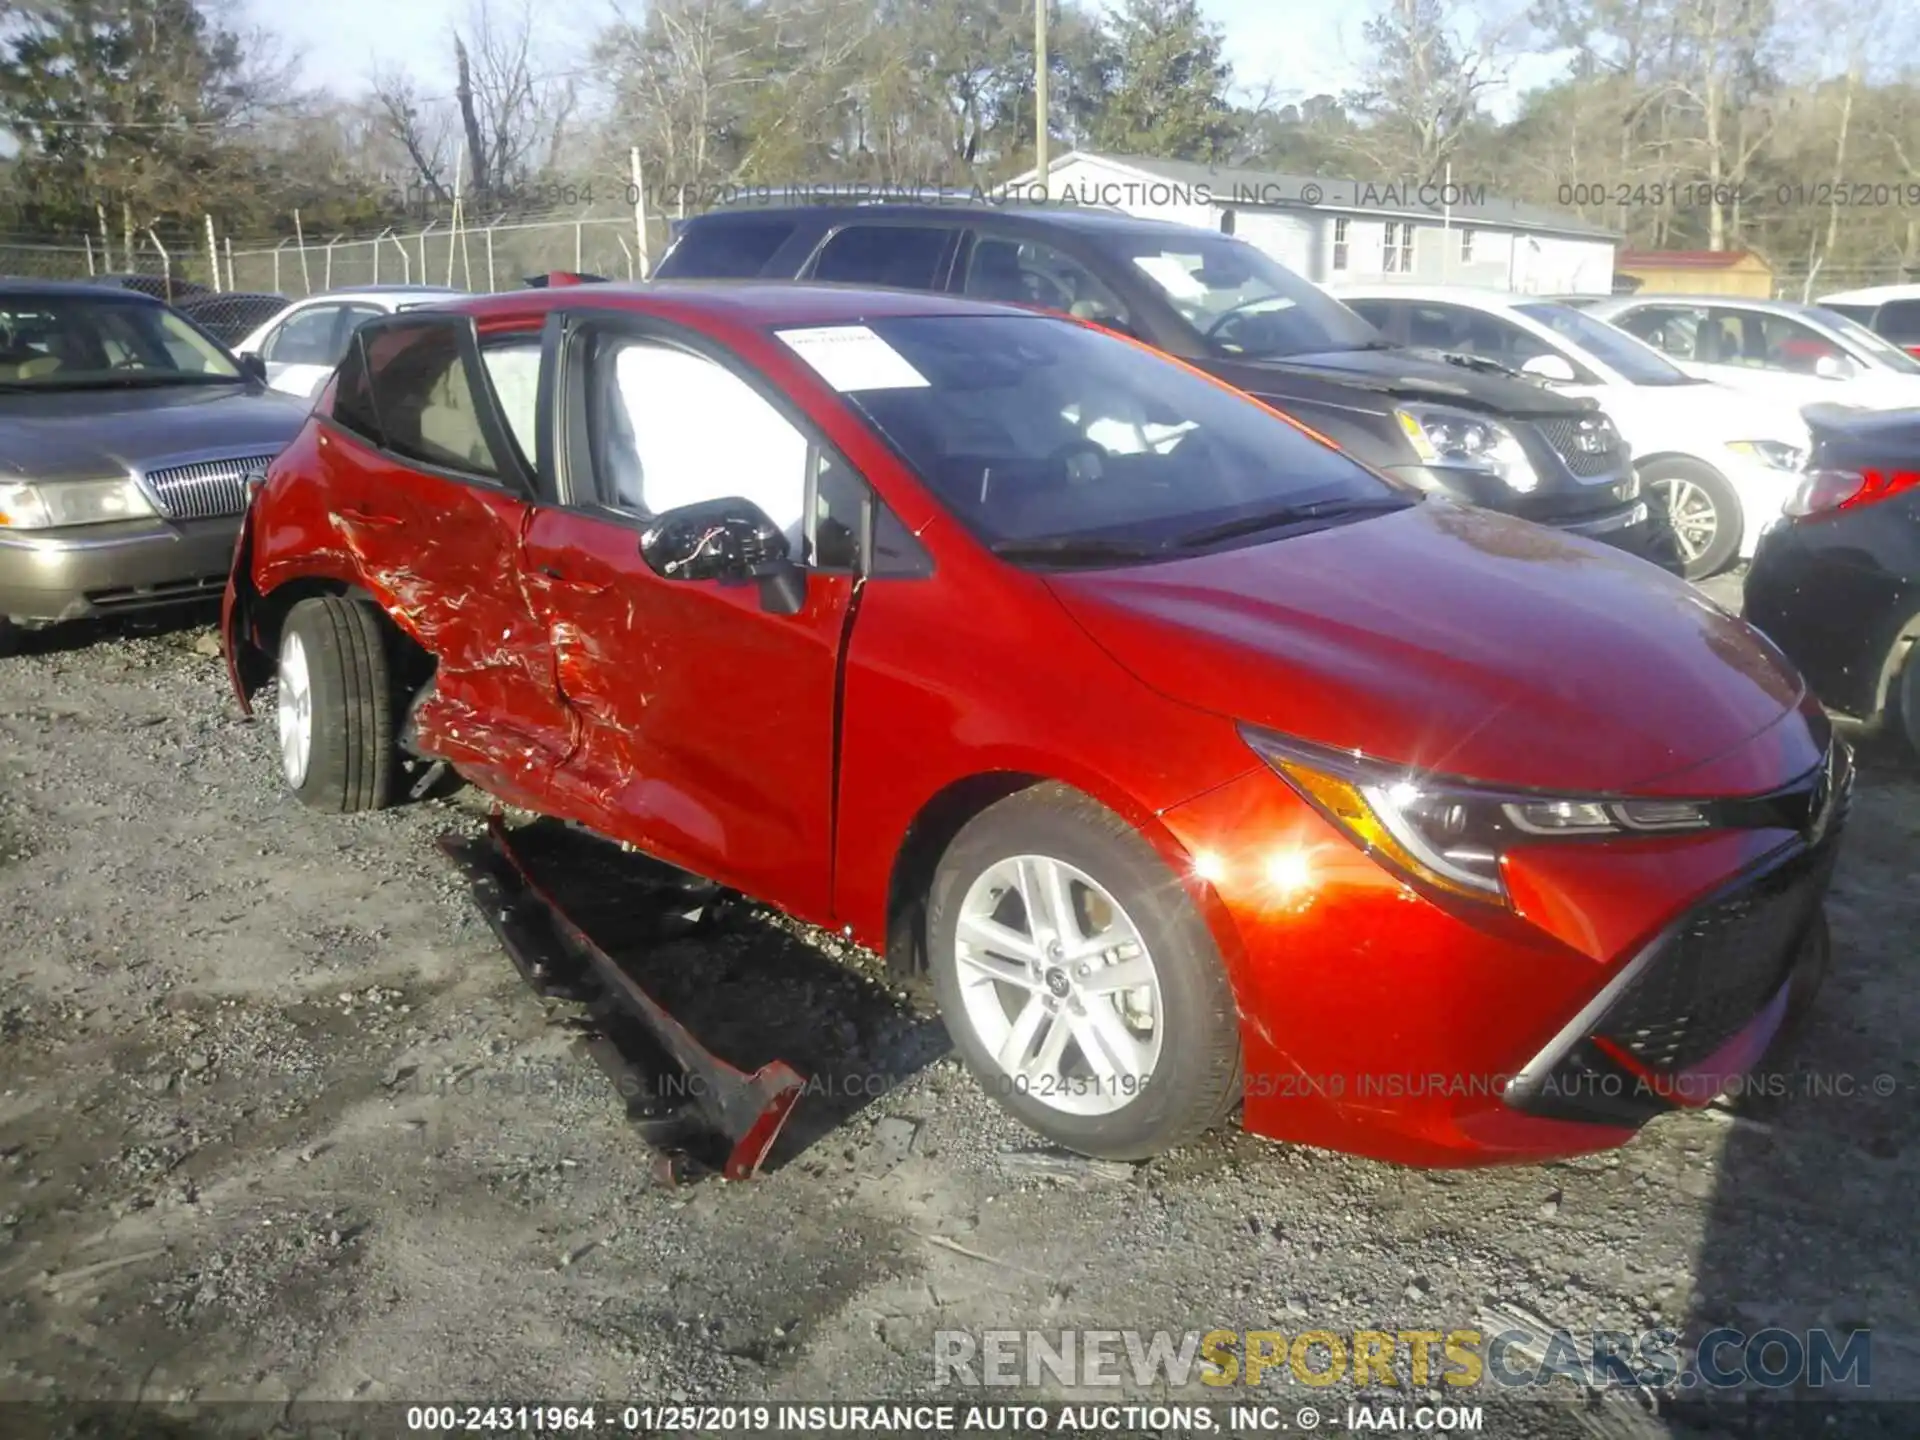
(79, 634)
(1811, 1222)
(751, 986)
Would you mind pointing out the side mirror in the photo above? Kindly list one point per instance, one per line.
(253, 367)
(1833, 367)
(728, 540)
(1550, 367)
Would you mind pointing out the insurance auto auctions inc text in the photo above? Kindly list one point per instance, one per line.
(1724, 1359)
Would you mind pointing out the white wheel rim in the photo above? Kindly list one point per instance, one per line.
(1057, 986)
(1693, 515)
(295, 708)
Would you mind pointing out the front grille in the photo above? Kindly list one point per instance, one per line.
(1717, 971)
(207, 489)
(172, 592)
(1709, 976)
(1564, 437)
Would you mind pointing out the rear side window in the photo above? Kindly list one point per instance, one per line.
(725, 250)
(905, 257)
(407, 388)
(1899, 321)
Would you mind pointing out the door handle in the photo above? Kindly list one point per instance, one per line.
(556, 576)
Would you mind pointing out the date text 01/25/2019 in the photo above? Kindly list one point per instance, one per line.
(1788, 194)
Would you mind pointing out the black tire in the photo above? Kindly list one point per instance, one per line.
(1903, 700)
(9, 636)
(1661, 477)
(1196, 1079)
(351, 761)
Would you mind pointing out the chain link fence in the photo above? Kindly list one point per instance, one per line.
(493, 255)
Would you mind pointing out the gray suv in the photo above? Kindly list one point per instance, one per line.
(126, 438)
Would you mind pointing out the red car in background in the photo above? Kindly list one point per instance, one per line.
(1198, 763)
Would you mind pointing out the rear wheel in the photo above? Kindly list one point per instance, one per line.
(1078, 982)
(1905, 697)
(1701, 512)
(334, 706)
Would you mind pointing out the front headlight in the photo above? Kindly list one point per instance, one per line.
(1775, 454)
(1457, 440)
(51, 504)
(1447, 833)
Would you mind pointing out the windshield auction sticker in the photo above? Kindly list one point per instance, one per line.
(852, 358)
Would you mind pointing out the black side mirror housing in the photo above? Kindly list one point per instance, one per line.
(253, 367)
(730, 540)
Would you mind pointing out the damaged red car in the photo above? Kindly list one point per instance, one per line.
(1198, 765)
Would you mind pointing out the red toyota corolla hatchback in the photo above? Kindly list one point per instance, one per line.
(1199, 764)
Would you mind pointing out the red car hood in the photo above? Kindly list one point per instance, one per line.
(1458, 640)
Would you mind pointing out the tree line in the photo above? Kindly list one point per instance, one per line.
(1791, 130)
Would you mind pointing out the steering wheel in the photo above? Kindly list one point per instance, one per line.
(1235, 314)
(1079, 445)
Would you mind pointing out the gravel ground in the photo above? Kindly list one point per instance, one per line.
(279, 1120)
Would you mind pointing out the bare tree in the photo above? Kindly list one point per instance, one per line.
(1426, 82)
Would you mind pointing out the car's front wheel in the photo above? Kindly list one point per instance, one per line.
(1077, 980)
(333, 706)
(1701, 513)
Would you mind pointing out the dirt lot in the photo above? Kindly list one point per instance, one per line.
(279, 1120)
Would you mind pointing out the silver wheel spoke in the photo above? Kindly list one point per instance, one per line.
(1019, 1041)
(1110, 1052)
(1046, 1060)
(1129, 974)
(1047, 894)
(984, 935)
(991, 967)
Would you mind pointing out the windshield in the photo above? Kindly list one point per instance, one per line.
(1035, 429)
(1637, 362)
(1239, 301)
(1882, 350)
(60, 342)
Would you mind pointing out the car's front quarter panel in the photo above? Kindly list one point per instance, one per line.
(976, 672)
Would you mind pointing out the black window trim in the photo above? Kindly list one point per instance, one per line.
(514, 478)
(567, 334)
(943, 268)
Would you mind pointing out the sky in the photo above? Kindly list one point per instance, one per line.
(1303, 47)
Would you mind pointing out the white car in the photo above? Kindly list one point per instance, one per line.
(1721, 463)
(1891, 311)
(1800, 354)
(304, 342)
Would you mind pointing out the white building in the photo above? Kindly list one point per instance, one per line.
(1334, 231)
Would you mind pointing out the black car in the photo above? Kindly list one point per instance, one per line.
(127, 438)
(1474, 430)
(1836, 584)
(170, 288)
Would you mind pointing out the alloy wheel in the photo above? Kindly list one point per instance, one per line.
(1058, 985)
(1693, 515)
(294, 708)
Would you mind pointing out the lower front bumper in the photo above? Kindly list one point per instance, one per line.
(1379, 1023)
(95, 570)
